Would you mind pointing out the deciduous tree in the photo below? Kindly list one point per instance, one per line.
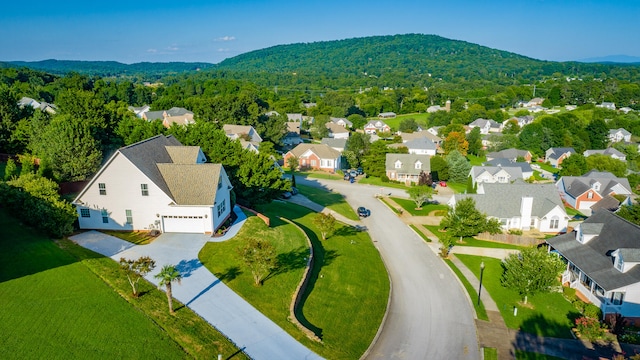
(136, 270)
(420, 194)
(326, 223)
(260, 258)
(464, 219)
(531, 271)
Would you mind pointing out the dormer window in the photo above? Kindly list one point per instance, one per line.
(619, 263)
(596, 186)
(418, 165)
(398, 164)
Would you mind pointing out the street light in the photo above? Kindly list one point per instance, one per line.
(480, 287)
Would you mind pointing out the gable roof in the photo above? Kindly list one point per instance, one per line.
(514, 172)
(608, 151)
(345, 120)
(555, 153)
(323, 151)
(594, 257)
(334, 143)
(422, 143)
(153, 115)
(174, 168)
(480, 122)
(178, 111)
(577, 185)
(623, 131)
(508, 154)
(408, 162)
(406, 137)
(335, 128)
(504, 200)
(504, 162)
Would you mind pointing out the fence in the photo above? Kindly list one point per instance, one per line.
(511, 239)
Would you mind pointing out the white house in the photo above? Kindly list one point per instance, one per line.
(418, 146)
(607, 105)
(244, 132)
(520, 206)
(344, 122)
(375, 126)
(611, 152)
(156, 184)
(603, 254)
(486, 126)
(495, 174)
(617, 135)
(293, 133)
(337, 131)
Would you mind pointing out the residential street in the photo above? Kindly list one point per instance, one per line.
(429, 315)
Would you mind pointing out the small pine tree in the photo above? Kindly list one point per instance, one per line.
(10, 170)
(470, 187)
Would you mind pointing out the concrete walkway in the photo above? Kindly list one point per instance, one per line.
(304, 201)
(205, 294)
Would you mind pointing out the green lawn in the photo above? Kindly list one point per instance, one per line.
(349, 286)
(544, 314)
(481, 313)
(573, 212)
(458, 188)
(473, 242)
(490, 353)
(60, 302)
(476, 160)
(394, 123)
(332, 200)
(549, 168)
(319, 175)
(422, 235)
(375, 181)
(410, 207)
(524, 355)
(395, 210)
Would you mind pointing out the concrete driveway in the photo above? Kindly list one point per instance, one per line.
(205, 294)
(430, 316)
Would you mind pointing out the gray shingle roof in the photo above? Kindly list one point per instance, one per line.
(178, 111)
(515, 172)
(408, 162)
(507, 154)
(323, 151)
(154, 115)
(557, 152)
(173, 169)
(594, 258)
(504, 162)
(504, 200)
(334, 143)
(421, 143)
(577, 185)
(607, 151)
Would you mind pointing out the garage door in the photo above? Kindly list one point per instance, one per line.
(183, 224)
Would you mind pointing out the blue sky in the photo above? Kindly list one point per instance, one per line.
(210, 31)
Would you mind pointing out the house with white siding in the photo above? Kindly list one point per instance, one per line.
(156, 184)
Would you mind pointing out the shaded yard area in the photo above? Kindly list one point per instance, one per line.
(548, 314)
(426, 210)
(473, 242)
(348, 290)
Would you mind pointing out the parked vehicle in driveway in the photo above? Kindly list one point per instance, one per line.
(347, 176)
(353, 173)
(443, 183)
(360, 171)
(286, 195)
(363, 212)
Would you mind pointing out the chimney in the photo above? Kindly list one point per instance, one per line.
(447, 105)
(526, 206)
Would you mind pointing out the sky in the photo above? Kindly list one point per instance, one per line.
(210, 31)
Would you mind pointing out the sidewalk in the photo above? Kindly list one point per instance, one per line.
(304, 201)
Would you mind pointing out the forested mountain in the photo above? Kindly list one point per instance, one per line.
(408, 60)
(144, 70)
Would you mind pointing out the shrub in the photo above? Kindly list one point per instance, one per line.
(515, 232)
(589, 328)
(579, 305)
(592, 311)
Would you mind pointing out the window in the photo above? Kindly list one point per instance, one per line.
(222, 207)
(619, 263)
(313, 163)
(554, 223)
(103, 188)
(105, 216)
(398, 164)
(145, 189)
(533, 222)
(219, 182)
(85, 213)
(590, 195)
(418, 165)
(617, 298)
(129, 217)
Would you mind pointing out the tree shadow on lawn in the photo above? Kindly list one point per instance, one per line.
(229, 274)
(322, 257)
(568, 348)
(347, 230)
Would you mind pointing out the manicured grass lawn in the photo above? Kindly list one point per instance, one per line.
(458, 188)
(134, 237)
(524, 355)
(375, 181)
(349, 286)
(59, 303)
(422, 235)
(473, 242)
(410, 207)
(548, 167)
(392, 207)
(573, 212)
(481, 313)
(544, 315)
(332, 200)
(476, 160)
(319, 175)
(395, 122)
(490, 353)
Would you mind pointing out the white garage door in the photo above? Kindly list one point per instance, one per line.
(183, 224)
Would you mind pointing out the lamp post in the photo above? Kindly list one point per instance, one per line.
(480, 287)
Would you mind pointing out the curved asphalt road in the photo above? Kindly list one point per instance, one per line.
(429, 316)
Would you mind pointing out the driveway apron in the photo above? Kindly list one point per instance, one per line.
(202, 292)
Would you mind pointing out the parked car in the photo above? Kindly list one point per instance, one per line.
(360, 171)
(443, 183)
(347, 176)
(363, 211)
(294, 190)
(286, 195)
(353, 173)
